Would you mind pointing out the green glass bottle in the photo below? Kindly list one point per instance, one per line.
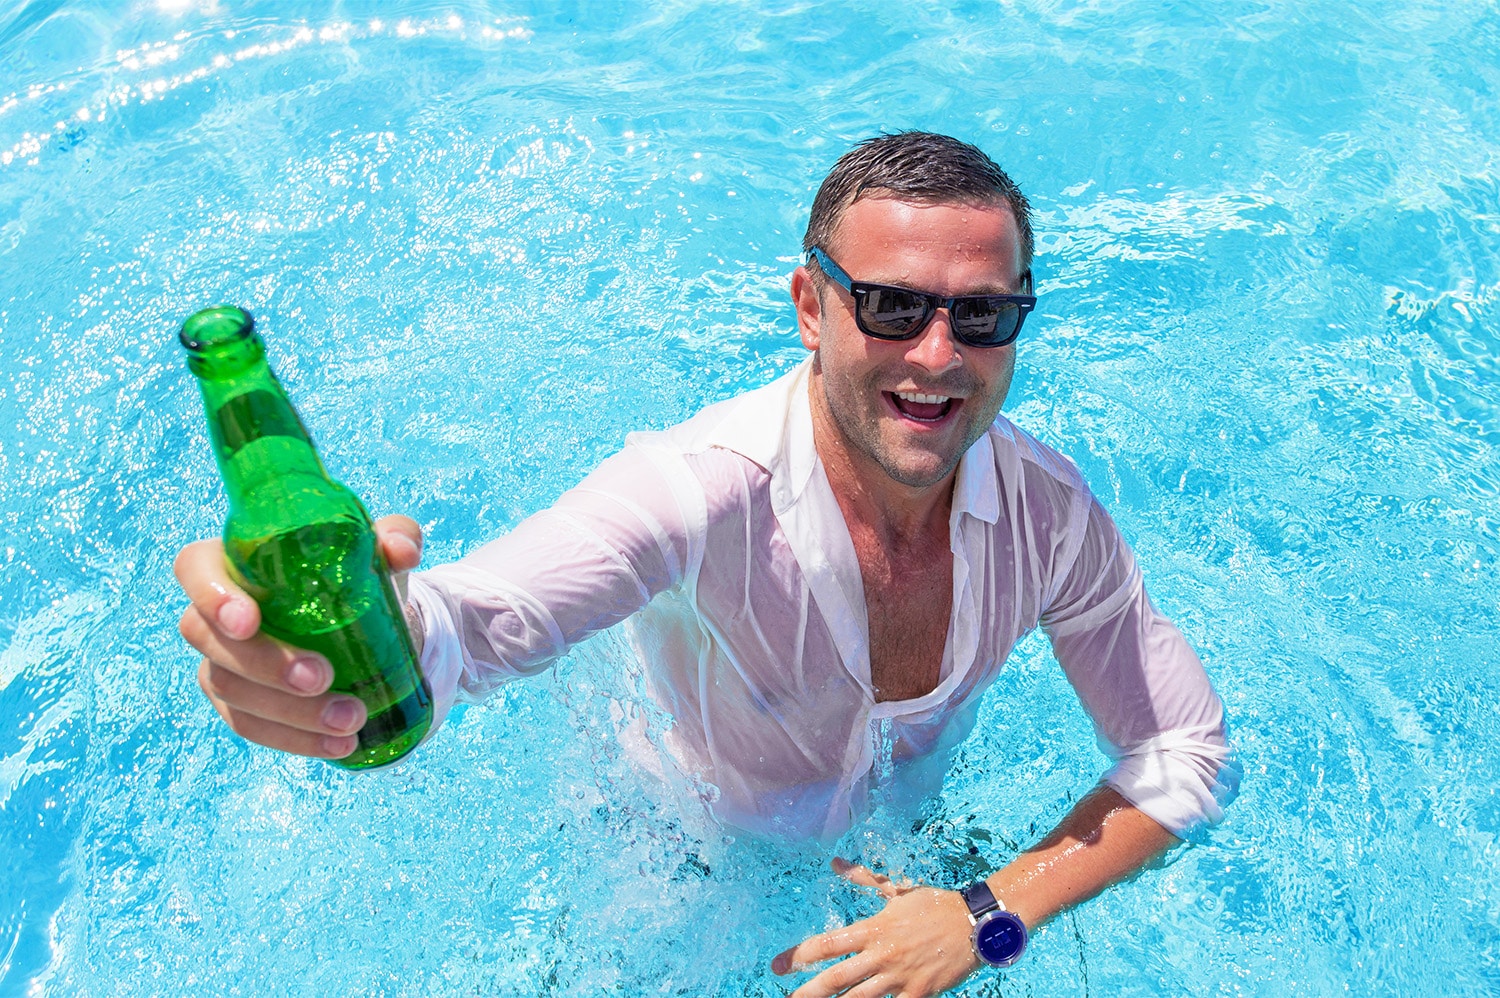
(301, 543)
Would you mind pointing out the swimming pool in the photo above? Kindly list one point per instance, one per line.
(1268, 246)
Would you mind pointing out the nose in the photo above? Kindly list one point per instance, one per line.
(935, 348)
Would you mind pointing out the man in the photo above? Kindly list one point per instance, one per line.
(852, 549)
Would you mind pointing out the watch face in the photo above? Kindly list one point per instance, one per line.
(999, 938)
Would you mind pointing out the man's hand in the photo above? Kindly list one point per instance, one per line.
(268, 692)
(917, 946)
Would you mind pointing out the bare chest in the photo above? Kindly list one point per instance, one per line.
(908, 603)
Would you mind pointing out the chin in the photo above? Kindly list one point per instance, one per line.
(918, 473)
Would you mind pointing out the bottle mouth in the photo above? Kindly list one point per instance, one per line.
(219, 326)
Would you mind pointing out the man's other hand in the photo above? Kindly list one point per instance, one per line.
(266, 691)
(918, 945)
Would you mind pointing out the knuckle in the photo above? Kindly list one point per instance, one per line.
(198, 628)
(842, 975)
(238, 723)
(210, 679)
(188, 556)
(192, 626)
(401, 523)
(179, 563)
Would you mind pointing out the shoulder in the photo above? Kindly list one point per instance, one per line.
(756, 424)
(1040, 501)
(710, 465)
(1022, 459)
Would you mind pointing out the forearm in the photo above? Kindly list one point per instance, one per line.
(1102, 841)
(919, 943)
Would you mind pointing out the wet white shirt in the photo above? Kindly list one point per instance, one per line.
(723, 539)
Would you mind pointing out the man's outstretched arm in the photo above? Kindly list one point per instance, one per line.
(919, 943)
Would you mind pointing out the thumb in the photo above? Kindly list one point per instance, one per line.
(401, 545)
(866, 877)
(400, 542)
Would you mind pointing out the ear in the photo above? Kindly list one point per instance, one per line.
(809, 309)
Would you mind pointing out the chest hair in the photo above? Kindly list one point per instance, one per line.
(908, 600)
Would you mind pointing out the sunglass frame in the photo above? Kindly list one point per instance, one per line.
(860, 289)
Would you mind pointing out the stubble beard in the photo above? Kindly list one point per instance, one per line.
(861, 423)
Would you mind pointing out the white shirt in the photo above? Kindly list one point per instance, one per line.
(724, 539)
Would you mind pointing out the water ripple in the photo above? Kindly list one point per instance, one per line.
(485, 241)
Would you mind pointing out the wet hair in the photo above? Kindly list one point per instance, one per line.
(920, 166)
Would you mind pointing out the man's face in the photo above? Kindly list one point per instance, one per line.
(908, 409)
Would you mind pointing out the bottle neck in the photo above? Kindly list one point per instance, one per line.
(256, 433)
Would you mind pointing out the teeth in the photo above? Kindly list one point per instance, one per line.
(920, 398)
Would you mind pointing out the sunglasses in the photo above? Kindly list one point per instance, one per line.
(891, 313)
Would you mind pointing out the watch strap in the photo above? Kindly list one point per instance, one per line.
(999, 936)
(980, 899)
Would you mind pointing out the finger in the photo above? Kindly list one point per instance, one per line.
(874, 987)
(333, 714)
(866, 877)
(400, 541)
(278, 736)
(401, 546)
(259, 659)
(838, 978)
(204, 576)
(822, 947)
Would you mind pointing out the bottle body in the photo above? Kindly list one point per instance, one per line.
(301, 544)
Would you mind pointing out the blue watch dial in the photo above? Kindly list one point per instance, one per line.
(1000, 938)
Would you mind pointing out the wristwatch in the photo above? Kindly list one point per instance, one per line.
(999, 936)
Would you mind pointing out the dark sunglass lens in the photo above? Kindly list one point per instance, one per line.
(893, 312)
(985, 321)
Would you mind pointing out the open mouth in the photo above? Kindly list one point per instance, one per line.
(920, 407)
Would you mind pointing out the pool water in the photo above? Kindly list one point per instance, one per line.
(486, 240)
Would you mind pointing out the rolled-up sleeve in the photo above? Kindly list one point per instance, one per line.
(1154, 710)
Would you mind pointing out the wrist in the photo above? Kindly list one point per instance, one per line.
(999, 935)
(414, 626)
(956, 913)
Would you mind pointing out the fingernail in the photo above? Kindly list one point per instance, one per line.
(406, 546)
(339, 746)
(235, 617)
(342, 714)
(307, 675)
(780, 965)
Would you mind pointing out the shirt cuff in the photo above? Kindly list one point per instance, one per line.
(442, 659)
(1181, 782)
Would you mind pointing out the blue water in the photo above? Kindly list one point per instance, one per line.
(487, 240)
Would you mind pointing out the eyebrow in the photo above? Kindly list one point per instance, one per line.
(1023, 282)
(1020, 286)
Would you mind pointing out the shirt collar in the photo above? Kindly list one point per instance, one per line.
(778, 436)
(977, 489)
(772, 426)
